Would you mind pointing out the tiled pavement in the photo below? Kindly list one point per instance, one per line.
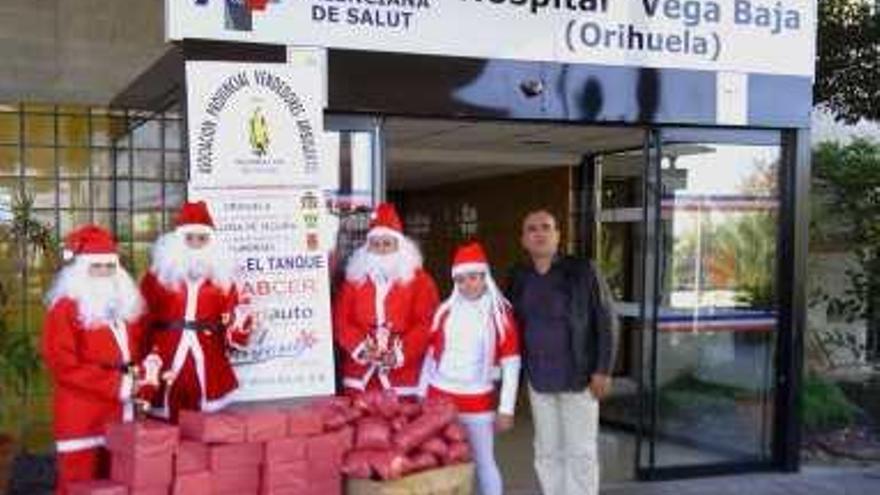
(810, 481)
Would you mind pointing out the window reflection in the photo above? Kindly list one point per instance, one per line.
(718, 301)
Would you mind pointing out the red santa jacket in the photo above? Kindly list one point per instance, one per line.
(85, 368)
(409, 309)
(206, 309)
(465, 363)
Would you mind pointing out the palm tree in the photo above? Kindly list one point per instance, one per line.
(744, 255)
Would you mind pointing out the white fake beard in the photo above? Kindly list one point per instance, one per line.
(100, 300)
(398, 266)
(174, 262)
(198, 263)
(385, 265)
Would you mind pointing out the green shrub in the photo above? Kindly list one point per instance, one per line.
(824, 405)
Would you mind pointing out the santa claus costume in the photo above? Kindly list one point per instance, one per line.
(194, 316)
(475, 342)
(385, 303)
(90, 344)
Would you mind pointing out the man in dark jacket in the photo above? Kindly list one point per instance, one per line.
(564, 309)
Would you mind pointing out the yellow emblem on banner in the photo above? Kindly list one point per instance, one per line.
(259, 133)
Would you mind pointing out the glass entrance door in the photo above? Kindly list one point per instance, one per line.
(687, 232)
(619, 250)
(711, 300)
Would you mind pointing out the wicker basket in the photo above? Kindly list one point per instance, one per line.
(451, 480)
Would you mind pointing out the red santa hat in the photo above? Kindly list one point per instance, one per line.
(385, 221)
(469, 258)
(194, 218)
(257, 5)
(90, 242)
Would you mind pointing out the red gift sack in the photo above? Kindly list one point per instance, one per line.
(334, 419)
(388, 465)
(430, 423)
(191, 457)
(97, 487)
(191, 483)
(398, 423)
(357, 464)
(352, 415)
(142, 438)
(345, 438)
(236, 455)
(455, 433)
(378, 402)
(372, 433)
(458, 453)
(410, 409)
(422, 461)
(142, 472)
(217, 427)
(387, 404)
(436, 447)
(363, 402)
(285, 450)
(261, 425)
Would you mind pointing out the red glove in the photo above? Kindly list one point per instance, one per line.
(239, 331)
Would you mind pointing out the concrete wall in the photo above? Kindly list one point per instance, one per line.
(76, 51)
(828, 275)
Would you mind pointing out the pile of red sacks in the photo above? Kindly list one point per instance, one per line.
(394, 438)
(265, 450)
(259, 451)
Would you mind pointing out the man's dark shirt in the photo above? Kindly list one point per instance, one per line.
(567, 322)
(545, 329)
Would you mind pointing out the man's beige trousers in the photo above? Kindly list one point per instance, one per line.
(566, 442)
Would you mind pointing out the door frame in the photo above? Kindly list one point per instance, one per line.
(793, 180)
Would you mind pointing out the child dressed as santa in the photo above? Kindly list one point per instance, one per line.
(474, 343)
(91, 347)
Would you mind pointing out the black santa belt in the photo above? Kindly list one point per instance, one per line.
(190, 326)
(122, 367)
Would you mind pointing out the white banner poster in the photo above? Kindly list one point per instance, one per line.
(255, 124)
(255, 143)
(763, 36)
(275, 239)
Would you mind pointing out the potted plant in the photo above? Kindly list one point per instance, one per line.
(19, 364)
(29, 243)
